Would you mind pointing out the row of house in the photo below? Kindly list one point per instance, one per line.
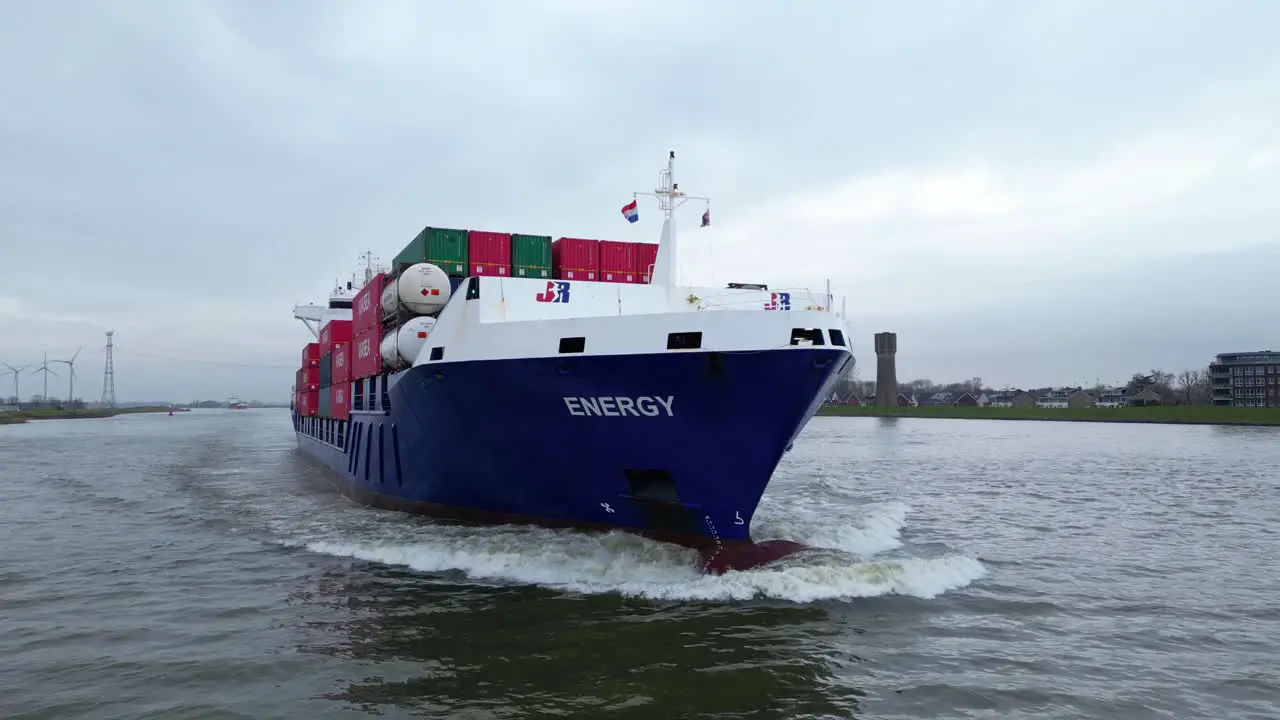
(1061, 397)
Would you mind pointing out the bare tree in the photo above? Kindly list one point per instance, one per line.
(918, 385)
(1203, 391)
(1158, 380)
(1188, 381)
(1162, 379)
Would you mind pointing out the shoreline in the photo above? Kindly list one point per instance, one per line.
(1158, 415)
(22, 416)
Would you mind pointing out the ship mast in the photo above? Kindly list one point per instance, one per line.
(670, 197)
(368, 257)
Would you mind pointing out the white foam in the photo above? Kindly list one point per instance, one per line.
(628, 565)
(865, 531)
(862, 550)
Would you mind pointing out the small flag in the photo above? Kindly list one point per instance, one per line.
(630, 213)
(706, 217)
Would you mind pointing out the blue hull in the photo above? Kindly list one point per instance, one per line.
(496, 441)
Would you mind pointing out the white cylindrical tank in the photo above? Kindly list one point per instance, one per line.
(412, 337)
(387, 349)
(423, 288)
(389, 298)
(401, 348)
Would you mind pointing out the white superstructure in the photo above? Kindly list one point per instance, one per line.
(491, 318)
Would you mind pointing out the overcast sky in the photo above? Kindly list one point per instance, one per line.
(1034, 193)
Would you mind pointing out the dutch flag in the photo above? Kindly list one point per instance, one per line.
(629, 212)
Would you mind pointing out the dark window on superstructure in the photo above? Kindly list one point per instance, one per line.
(837, 337)
(473, 288)
(437, 353)
(806, 336)
(573, 344)
(684, 340)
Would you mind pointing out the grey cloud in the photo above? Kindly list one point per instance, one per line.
(187, 172)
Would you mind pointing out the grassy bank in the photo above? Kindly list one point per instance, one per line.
(54, 414)
(1177, 414)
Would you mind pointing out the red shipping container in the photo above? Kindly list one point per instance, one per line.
(334, 332)
(311, 355)
(366, 307)
(340, 402)
(310, 404)
(366, 358)
(307, 379)
(489, 253)
(575, 259)
(646, 255)
(617, 261)
(341, 363)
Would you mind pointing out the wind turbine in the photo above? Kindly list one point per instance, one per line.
(44, 368)
(15, 371)
(71, 379)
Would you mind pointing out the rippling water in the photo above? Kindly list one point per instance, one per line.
(196, 566)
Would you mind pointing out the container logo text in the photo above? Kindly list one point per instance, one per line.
(557, 292)
(365, 304)
(778, 301)
(644, 405)
(363, 348)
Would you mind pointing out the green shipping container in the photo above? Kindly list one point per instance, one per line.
(438, 246)
(531, 256)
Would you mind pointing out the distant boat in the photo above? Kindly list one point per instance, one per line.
(235, 404)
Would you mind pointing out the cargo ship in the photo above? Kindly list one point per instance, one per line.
(505, 378)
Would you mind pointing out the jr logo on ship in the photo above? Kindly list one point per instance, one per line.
(778, 301)
(557, 292)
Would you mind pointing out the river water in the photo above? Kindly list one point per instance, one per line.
(196, 566)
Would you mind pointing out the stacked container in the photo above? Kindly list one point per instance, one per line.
(617, 261)
(531, 256)
(307, 381)
(326, 371)
(366, 328)
(365, 306)
(341, 363)
(340, 402)
(575, 259)
(309, 404)
(646, 254)
(333, 333)
(489, 253)
(365, 359)
(335, 337)
(443, 247)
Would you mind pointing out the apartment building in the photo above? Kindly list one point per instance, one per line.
(1247, 379)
